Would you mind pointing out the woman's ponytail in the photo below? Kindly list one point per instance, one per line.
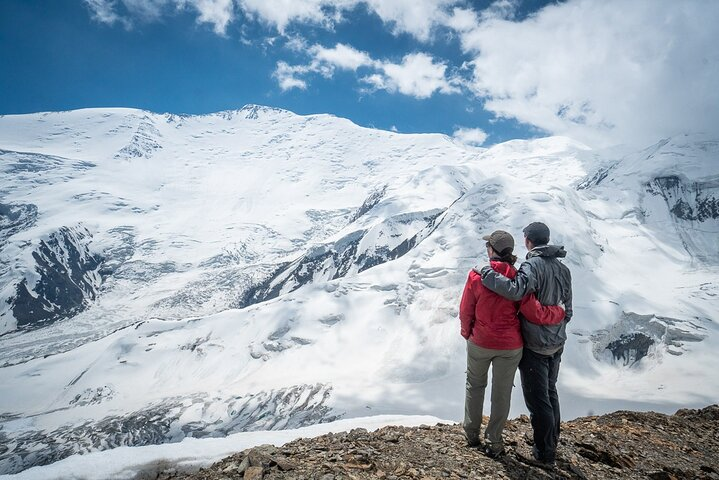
(508, 257)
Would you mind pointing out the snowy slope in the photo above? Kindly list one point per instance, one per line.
(257, 269)
(220, 199)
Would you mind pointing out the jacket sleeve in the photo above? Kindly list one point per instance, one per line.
(540, 314)
(511, 288)
(569, 311)
(466, 309)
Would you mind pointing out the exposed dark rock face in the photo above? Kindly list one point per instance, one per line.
(253, 112)
(694, 208)
(67, 282)
(261, 290)
(599, 176)
(370, 202)
(621, 445)
(336, 260)
(692, 201)
(634, 337)
(292, 407)
(144, 142)
(630, 348)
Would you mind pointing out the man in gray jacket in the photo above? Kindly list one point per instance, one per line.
(543, 274)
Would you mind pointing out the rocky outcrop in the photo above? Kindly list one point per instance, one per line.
(254, 112)
(620, 445)
(694, 209)
(633, 337)
(370, 202)
(353, 253)
(145, 141)
(65, 280)
(691, 201)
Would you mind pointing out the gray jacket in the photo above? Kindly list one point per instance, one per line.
(543, 274)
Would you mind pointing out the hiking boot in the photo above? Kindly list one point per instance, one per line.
(473, 441)
(547, 461)
(494, 450)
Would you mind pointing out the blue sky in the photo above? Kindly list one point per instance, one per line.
(482, 71)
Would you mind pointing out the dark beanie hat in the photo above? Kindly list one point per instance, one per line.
(537, 233)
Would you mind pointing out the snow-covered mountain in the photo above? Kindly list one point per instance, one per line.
(166, 276)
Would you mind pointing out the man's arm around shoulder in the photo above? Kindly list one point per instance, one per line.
(512, 288)
(532, 310)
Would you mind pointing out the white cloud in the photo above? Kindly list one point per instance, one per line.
(287, 76)
(342, 56)
(296, 43)
(470, 136)
(280, 13)
(418, 76)
(104, 12)
(324, 62)
(414, 17)
(603, 72)
(218, 13)
(376, 80)
(500, 10)
(462, 20)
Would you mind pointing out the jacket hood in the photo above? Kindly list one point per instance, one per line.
(557, 251)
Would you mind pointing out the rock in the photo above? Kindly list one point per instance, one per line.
(283, 464)
(253, 473)
(620, 445)
(243, 466)
(232, 467)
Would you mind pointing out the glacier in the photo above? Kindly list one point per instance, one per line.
(172, 276)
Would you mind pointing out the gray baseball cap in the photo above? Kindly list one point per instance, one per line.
(501, 241)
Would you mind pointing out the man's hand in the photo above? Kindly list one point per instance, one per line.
(534, 312)
(485, 269)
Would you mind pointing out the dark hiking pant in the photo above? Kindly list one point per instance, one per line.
(539, 385)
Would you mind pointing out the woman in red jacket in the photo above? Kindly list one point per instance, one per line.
(491, 327)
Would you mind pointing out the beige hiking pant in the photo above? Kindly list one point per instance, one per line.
(504, 366)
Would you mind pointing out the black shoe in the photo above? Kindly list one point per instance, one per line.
(535, 453)
(473, 441)
(548, 462)
(493, 452)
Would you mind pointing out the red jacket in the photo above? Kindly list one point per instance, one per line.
(490, 320)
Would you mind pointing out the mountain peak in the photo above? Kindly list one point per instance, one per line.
(253, 111)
